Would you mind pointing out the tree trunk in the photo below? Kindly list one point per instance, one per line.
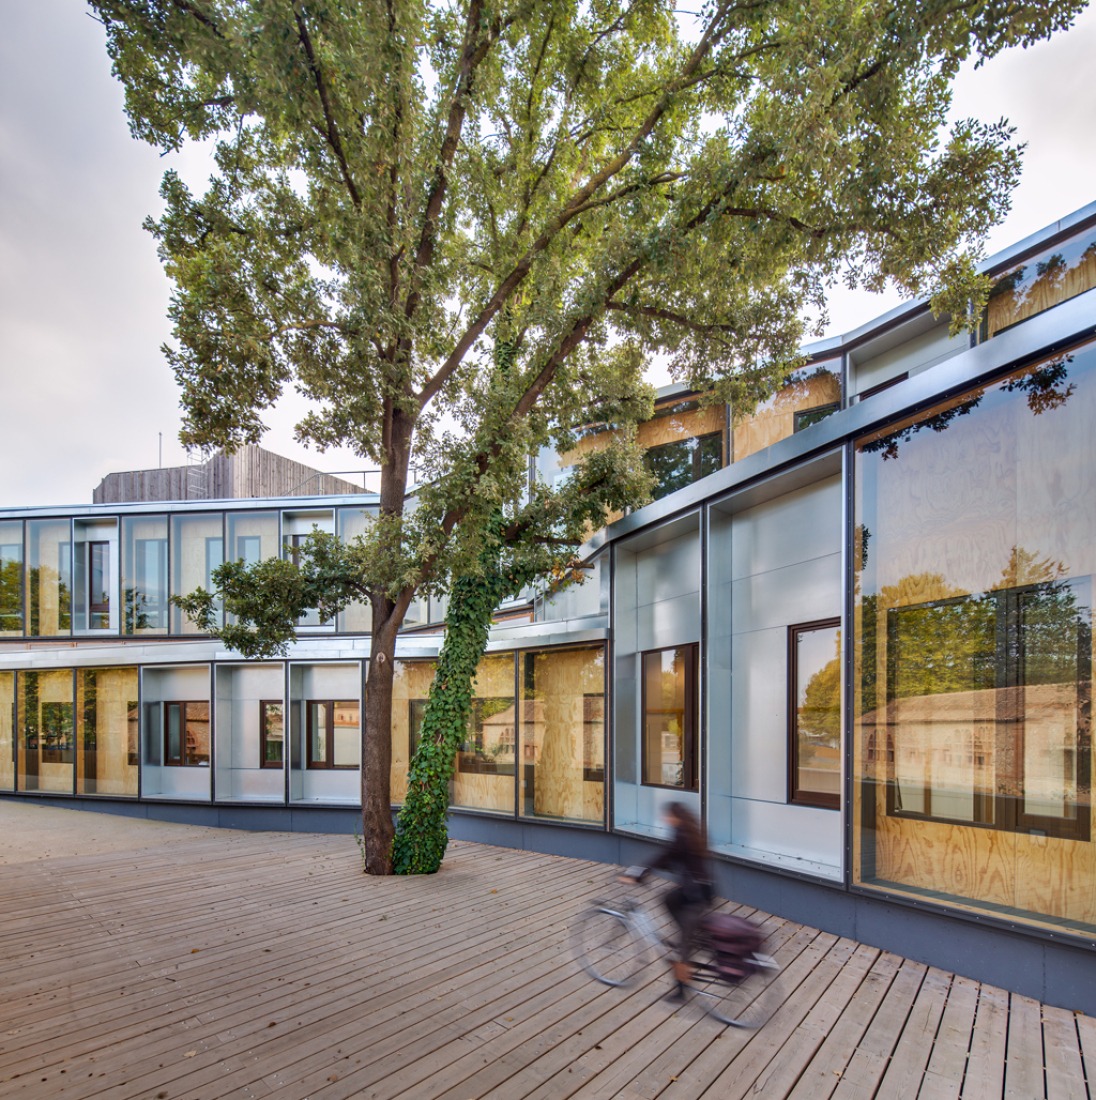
(377, 827)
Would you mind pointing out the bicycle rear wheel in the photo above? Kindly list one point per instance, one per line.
(607, 947)
(747, 1002)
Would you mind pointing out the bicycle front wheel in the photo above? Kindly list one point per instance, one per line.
(607, 947)
(747, 1002)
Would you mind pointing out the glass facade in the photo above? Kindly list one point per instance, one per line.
(563, 734)
(975, 550)
(809, 395)
(484, 776)
(47, 738)
(144, 575)
(107, 732)
(355, 618)
(197, 549)
(670, 717)
(49, 577)
(11, 579)
(1041, 281)
(7, 731)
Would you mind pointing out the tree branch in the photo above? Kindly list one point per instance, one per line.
(331, 133)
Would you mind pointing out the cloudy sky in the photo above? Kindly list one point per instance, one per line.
(83, 299)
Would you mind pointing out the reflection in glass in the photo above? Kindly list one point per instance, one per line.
(197, 548)
(669, 717)
(484, 776)
(49, 577)
(47, 739)
(186, 734)
(7, 731)
(333, 733)
(675, 465)
(272, 732)
(809, 395)
(11, 578)
(1054, 275)
(814, 673)
(975, 550)
(144, 575)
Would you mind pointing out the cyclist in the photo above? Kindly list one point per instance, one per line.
(686, 858)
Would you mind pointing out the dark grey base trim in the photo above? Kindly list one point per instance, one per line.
(1057, 973)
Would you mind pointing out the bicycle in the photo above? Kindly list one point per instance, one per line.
(614, 940)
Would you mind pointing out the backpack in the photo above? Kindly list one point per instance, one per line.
(734, 942)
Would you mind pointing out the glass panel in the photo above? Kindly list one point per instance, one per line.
(484, 775)
(1042, 281)
(253, 536)
(346, 734)
(296, 527)
(678, 464)
(47, 740)
(356, 618)
(563, 734)
(196, 548)
(106, 734)
(815, 673)
(410, 689)
(816, 387)
(11, 579)
(144, 575)
(272, 725)
(669, 709)
(318, 720)
(976, 546)
(49, 577)
(7, 731)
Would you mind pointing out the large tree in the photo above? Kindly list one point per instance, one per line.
(402, 185)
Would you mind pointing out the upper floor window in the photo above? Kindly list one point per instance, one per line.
(1054, 275)
(684, 461)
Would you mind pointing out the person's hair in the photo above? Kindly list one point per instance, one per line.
(689, 826)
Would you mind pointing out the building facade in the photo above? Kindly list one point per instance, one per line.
(854, 632)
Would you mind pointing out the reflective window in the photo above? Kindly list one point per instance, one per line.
(7, 731)
(1041, 281)
(814, 711)
(669, 717)
(49, 577)
(272, 734)
(11, 578)
(680, 463)
(975, 550)
(809, 395)
(486, 761)
(144, 575)
(197, 548)
(47, 742)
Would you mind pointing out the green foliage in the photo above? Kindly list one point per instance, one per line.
(403, 189)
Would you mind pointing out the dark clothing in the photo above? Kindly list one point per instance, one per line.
(687, 900)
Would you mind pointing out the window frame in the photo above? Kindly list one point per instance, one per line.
(689, 719)
(797, 795)
(266, 708)
(182, 761)
(329, 705)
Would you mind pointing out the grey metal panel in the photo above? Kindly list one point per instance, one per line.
(800, 834)
(798, 593)
(668, 570)
(669, 623)
(759, 755)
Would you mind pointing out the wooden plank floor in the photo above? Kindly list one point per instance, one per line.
(178, 962)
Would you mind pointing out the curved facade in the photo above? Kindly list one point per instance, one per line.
(855, 633)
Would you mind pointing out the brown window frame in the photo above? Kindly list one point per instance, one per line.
(689, 715)
(797, 795)
(328, 764)
(182, 760)
(265, 706)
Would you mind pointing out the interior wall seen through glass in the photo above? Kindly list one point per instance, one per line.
(809, 394)
(107, 732)
(7, 731)
(563, 734)
(49, 577)
(197, 549)
(669, 717)
(976, 546)
(47, 736)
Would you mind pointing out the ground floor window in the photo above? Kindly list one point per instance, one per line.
(669, 717)
(333, 731)
(814, 714)
(271, 734)
(186, 734)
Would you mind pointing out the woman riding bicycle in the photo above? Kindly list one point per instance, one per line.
(686, 858)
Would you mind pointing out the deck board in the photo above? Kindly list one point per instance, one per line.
(198, 964)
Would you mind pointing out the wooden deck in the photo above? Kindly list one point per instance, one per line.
(207, 964)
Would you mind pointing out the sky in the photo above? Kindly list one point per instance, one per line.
(83, 298)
